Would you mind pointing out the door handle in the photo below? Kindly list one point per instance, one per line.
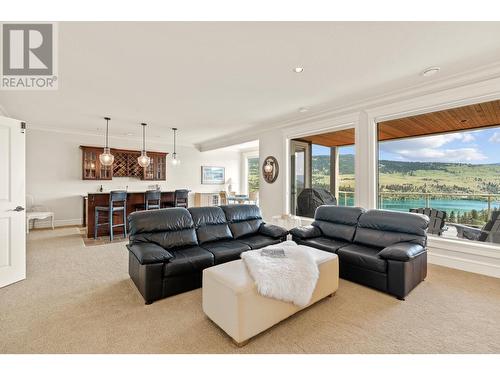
(18, 209)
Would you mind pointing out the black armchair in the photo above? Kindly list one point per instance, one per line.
(490, 232)
(437, 219)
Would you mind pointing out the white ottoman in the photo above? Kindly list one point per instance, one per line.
(231, 300)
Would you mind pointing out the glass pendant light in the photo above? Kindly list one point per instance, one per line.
(175, 160)
(106, 158)
(144, 159)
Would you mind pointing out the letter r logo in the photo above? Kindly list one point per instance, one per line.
(27, 49)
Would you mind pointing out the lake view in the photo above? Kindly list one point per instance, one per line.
(448, 205)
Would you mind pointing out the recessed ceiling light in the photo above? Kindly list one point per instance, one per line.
(303, 109)
(298, 69)
(430, 71)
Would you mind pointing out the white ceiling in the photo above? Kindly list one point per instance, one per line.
(213, 79)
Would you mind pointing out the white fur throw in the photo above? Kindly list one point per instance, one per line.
(290, 279)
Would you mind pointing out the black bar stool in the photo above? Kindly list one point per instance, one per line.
(117, 203)
(181, 198)
(152, 201)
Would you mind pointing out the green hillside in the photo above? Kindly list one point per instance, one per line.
(401, 176)
(321, 164)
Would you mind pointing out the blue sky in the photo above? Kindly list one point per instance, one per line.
(475, 147)
(322, 150)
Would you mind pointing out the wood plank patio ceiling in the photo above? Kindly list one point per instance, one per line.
(451, 120)
(470, 117)
(338, 138)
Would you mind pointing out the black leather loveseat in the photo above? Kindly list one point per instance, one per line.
(385, 250)
(169, 248)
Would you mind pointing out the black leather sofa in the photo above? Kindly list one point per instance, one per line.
(385, 250)
(169, 248)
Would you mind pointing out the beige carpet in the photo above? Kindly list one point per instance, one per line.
(101, 240)
(79, 299)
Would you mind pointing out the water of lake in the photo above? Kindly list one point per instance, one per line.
(448, 205)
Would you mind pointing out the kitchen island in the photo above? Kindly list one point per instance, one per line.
(134, 198)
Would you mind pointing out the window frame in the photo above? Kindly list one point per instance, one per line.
(245, 156)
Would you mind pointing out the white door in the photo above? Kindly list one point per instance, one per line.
(12, 202)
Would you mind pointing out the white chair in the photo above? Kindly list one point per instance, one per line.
(36, 213)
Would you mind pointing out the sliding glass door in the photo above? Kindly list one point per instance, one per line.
(300, 166)
(324, 165)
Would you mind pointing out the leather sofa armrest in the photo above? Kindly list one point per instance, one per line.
(402, 251)
(149, 253)
(308, 231)
(273, 231)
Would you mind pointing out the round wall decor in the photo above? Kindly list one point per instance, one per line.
(270, 169)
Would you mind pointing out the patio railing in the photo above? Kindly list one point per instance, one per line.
(430, 200)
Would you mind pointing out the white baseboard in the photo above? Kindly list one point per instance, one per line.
(476, 264)
(57, 223)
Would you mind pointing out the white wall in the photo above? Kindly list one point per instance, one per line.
(54, 171)
(271, 197)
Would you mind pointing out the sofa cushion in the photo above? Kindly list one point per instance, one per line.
(383, 228)
(240, 212)
(243, 219)
(337, 221)
(226, 250)
(362, 256)
(210, 224)
(257, 241)
(170, 228)
(188, 260)
(323, 243)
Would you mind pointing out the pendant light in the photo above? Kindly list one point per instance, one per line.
(175, 160)
(106, 158)
(144, 159)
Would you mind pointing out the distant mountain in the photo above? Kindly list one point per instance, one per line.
(404, 176)
(321, 164)
(346, 164)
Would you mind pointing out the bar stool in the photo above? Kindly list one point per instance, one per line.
(152, 201)
(181, 198)
(118, 197)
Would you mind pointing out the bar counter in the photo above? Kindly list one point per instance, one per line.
(91, 200)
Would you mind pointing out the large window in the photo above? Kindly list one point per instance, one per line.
(346, 176)
(322, 169)
(253, 174)
(322, 160)
(453, 176)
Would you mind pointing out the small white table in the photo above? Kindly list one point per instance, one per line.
(38, 215)
(287, 221)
